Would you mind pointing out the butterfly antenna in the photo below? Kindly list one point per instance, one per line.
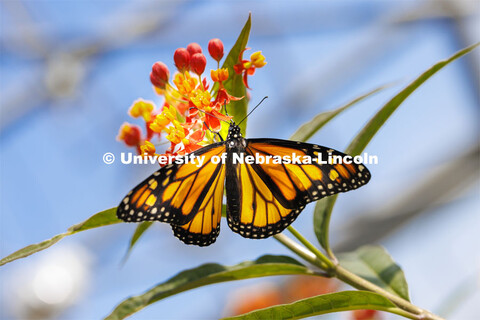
(253, 109)
(215, 133)
(221, 139)
(225, 106)
(210, 115)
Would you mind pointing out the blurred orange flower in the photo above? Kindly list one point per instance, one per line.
(265, 295)
(366, 315)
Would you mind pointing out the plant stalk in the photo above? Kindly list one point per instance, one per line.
(333, 269)
(362, 284)
(304, 253)
(311, 247)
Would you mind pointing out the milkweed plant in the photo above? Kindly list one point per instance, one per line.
(194, 115)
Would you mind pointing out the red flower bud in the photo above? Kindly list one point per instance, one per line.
(159, 75)
(130, 134)
(198, 63)
(182, 59)
(194, 48)
(215, 48)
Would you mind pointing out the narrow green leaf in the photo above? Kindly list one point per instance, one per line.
(362, 139)
(100, 219)
(103, 218)
(234, 85)
(373, 263)
(28, 250)
(209, 274)
(321, 220)
(322, 304)
(324, 207)
(139, 230)
(308, 129)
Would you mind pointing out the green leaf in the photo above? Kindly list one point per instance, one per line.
(324, 207)
(28, 250)
(373, 263)
(141, 228)
(308, 129)
(322, 304)
(100, 219)
(209, 274)
(321, 220)
(234, 85)
(362, 139)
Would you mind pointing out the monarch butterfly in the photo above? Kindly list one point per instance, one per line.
(262, 199)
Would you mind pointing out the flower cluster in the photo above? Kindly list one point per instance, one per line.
(192, 108)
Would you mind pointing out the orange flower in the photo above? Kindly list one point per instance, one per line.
(224, 98)
(185, 83)
(202, 100)
(162, 120)
(142, 108)
(212, 121)
(219, 75)
(192, 142)
(176, 133)
(257, 59)
(185, 137)
(247, 67)
(148, 149)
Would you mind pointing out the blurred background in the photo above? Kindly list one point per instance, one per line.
(69, 70)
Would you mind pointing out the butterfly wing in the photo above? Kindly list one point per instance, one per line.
(203, 229)
(187, 196)
(264, 199)
(252, 209)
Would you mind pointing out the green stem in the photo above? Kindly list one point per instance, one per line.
(402, 313)
(315, 257)
(301, 251)
(362, 284)
(201, 82)
(311, 247)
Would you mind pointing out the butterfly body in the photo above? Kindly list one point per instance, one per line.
(262, 198)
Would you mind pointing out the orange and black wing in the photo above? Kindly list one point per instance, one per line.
(264, 199)
(203, 229)
(188, 196)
